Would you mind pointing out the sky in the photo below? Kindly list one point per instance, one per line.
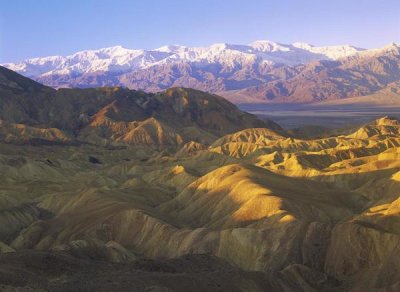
(35, 28)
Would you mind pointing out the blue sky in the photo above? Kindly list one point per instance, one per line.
(33, 28)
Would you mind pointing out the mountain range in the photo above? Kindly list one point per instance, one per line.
(262, 71)
(113, 189)
(115, 116)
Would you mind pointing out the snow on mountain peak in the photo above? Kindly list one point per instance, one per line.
(301, 45)
(170, 48)
(392, 48)
(268, 46)
(120, 59)
(219, 46)
(117, 51)
(331, 52)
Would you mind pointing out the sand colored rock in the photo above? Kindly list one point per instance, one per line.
(151, 189)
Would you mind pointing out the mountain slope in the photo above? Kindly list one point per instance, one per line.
(123, 116)
(262, 71)
(119, 59)
(386, 97)
(181, 190)
(217, 68)
(306, 214)
(362, 74)
(11, 81)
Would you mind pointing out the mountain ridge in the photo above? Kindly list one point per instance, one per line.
(121, 56)
(259, 72)
(117, 116)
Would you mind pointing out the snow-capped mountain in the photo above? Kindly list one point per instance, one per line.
(360, 74)
(118, 59)
(262, 71)
(114, 59)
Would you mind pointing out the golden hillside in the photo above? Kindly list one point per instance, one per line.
(306, 208)
(182, 187)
